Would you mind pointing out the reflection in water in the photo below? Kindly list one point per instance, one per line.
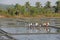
(21, 25)
(25, 30)
(14, 26)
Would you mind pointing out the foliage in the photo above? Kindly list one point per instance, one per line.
(58, 6)
(28, 10)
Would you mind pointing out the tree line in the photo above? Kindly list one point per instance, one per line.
(28, 10)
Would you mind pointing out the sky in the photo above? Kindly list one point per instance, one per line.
(22, 2)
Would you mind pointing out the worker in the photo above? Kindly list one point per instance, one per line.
(36, 24)
(47, 24)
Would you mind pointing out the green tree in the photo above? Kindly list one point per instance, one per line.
(27, 5)
(48, 4)
(22, 11)
(33, 11)
(3, 12)
(17, 7)
(11, 11)
(57, 6)
(38, 5)
(47, 7)
(27, 9)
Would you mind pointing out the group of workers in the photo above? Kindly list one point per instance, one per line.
(46, 24)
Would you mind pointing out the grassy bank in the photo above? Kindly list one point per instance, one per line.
(51, 15)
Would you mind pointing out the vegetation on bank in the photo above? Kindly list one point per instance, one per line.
(58, 30)
(32, 11)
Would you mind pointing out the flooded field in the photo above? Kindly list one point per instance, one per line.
(17, 26)
(38, 37)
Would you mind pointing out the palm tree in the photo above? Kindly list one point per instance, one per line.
(38, 5)
(48, 4)
(57, 6)
(27, 6)
(17, 7)
(11, 11)
(47, 7)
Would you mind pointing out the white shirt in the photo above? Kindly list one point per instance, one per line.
(36, 24)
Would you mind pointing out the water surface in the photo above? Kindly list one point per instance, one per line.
(20, 26)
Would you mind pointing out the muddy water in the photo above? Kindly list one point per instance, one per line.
(19, 26)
